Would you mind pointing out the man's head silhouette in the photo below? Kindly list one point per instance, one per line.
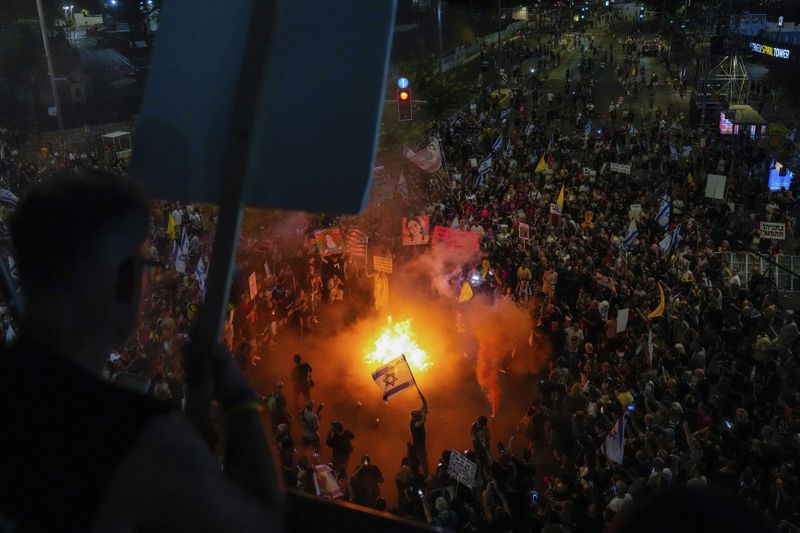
(77, 241)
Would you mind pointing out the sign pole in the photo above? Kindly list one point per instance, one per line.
(231, 208)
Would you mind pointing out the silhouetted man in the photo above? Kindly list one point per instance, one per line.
(77, 453)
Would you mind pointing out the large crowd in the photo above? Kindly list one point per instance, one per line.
(704, 377)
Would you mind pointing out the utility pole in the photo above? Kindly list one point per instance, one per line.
(499, 22)
(50, 70)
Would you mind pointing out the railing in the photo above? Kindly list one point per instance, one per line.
(306, 513)
(782, 277)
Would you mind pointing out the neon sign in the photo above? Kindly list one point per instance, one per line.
(770, 51)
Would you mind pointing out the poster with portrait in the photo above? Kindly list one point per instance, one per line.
(524, 231)
(416, 230)
(330, 241)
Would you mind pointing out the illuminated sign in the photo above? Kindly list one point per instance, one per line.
(770, 51)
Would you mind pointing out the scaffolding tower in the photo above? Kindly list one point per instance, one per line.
(720, 82)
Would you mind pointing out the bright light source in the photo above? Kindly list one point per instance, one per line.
(404, 95)
(402, 83)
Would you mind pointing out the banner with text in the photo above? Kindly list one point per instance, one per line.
(456, 239)
(773, 230)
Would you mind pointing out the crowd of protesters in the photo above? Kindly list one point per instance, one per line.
(706, 385)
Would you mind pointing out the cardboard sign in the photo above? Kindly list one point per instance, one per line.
(253, 286)
(416, 230)
(382, 264)
(636, 209)
(773, 230)
(456, 239)
(524, 231)
(715, 186)
(622, 320)
(462, 469)
(621, 168)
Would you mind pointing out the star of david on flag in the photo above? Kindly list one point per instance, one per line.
(393, 377)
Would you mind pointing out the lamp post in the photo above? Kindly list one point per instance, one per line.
(50, 71)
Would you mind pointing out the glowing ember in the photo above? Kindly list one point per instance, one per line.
(396, 340)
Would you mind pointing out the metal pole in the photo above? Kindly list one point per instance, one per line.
(439, 24)
(50, 70)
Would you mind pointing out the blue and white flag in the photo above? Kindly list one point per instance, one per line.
(633, 232)
(588, 128)
(662, 218)
(393, 377)
(505, 113)
(180, 253)
(669, 242)
(8, 197)
(509, 149)
(498, 144)
(614, 446)
(483, 171)
(528, 129)
(200, 272)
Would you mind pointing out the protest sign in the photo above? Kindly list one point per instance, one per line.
(621, 168)
(773, 230)
(456, 240)
(462, 469)
(382, 264)
(416, 230)
(253, 286)
(524, 231)
(715, 186)
(330, 241)
(622, 320)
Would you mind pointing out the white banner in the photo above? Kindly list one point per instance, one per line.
(773, 230)
(622, 320)
(715, 186)
(621, 168)
(462, 469)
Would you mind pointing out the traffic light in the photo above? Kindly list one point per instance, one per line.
(404, 106)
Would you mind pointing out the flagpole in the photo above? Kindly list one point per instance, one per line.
(412, 377)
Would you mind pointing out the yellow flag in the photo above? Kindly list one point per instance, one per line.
(690, 180)
(466, 293)
(171, 228)
(658, 311)
(560, 200)
(541, 166)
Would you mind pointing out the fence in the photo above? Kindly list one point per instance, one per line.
(784, 281)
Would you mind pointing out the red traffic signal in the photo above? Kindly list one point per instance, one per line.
(404, 107)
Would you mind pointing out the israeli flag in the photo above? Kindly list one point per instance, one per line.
(509, 149)
(528, 129)
(633, 232)
(393, 377)
(669, 242)
(662, 218)
(180, 253)
(483, 170)
(614, 446)
(200, 272)
(505, 113)
(588, 129)
(498, 144)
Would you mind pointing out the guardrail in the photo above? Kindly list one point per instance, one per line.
(779, 268)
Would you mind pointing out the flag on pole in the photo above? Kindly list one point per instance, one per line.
(171, 228)
(393, 377)
(560, 199)
(466, 293)
(325, 483)
(690, 181)
(633, 232)
(659, 310)
(181, 253)
(355, 243)
(662, 217)
(614, 446)
(504, 113)
(541, 166)
(498, 144)
(528, 129)
(650, 346)
(509, 149)
(588, 128)
(669, 242)
(200, 272)
(483, 171)
(429, 158)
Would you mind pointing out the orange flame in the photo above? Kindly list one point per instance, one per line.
(396, 340)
